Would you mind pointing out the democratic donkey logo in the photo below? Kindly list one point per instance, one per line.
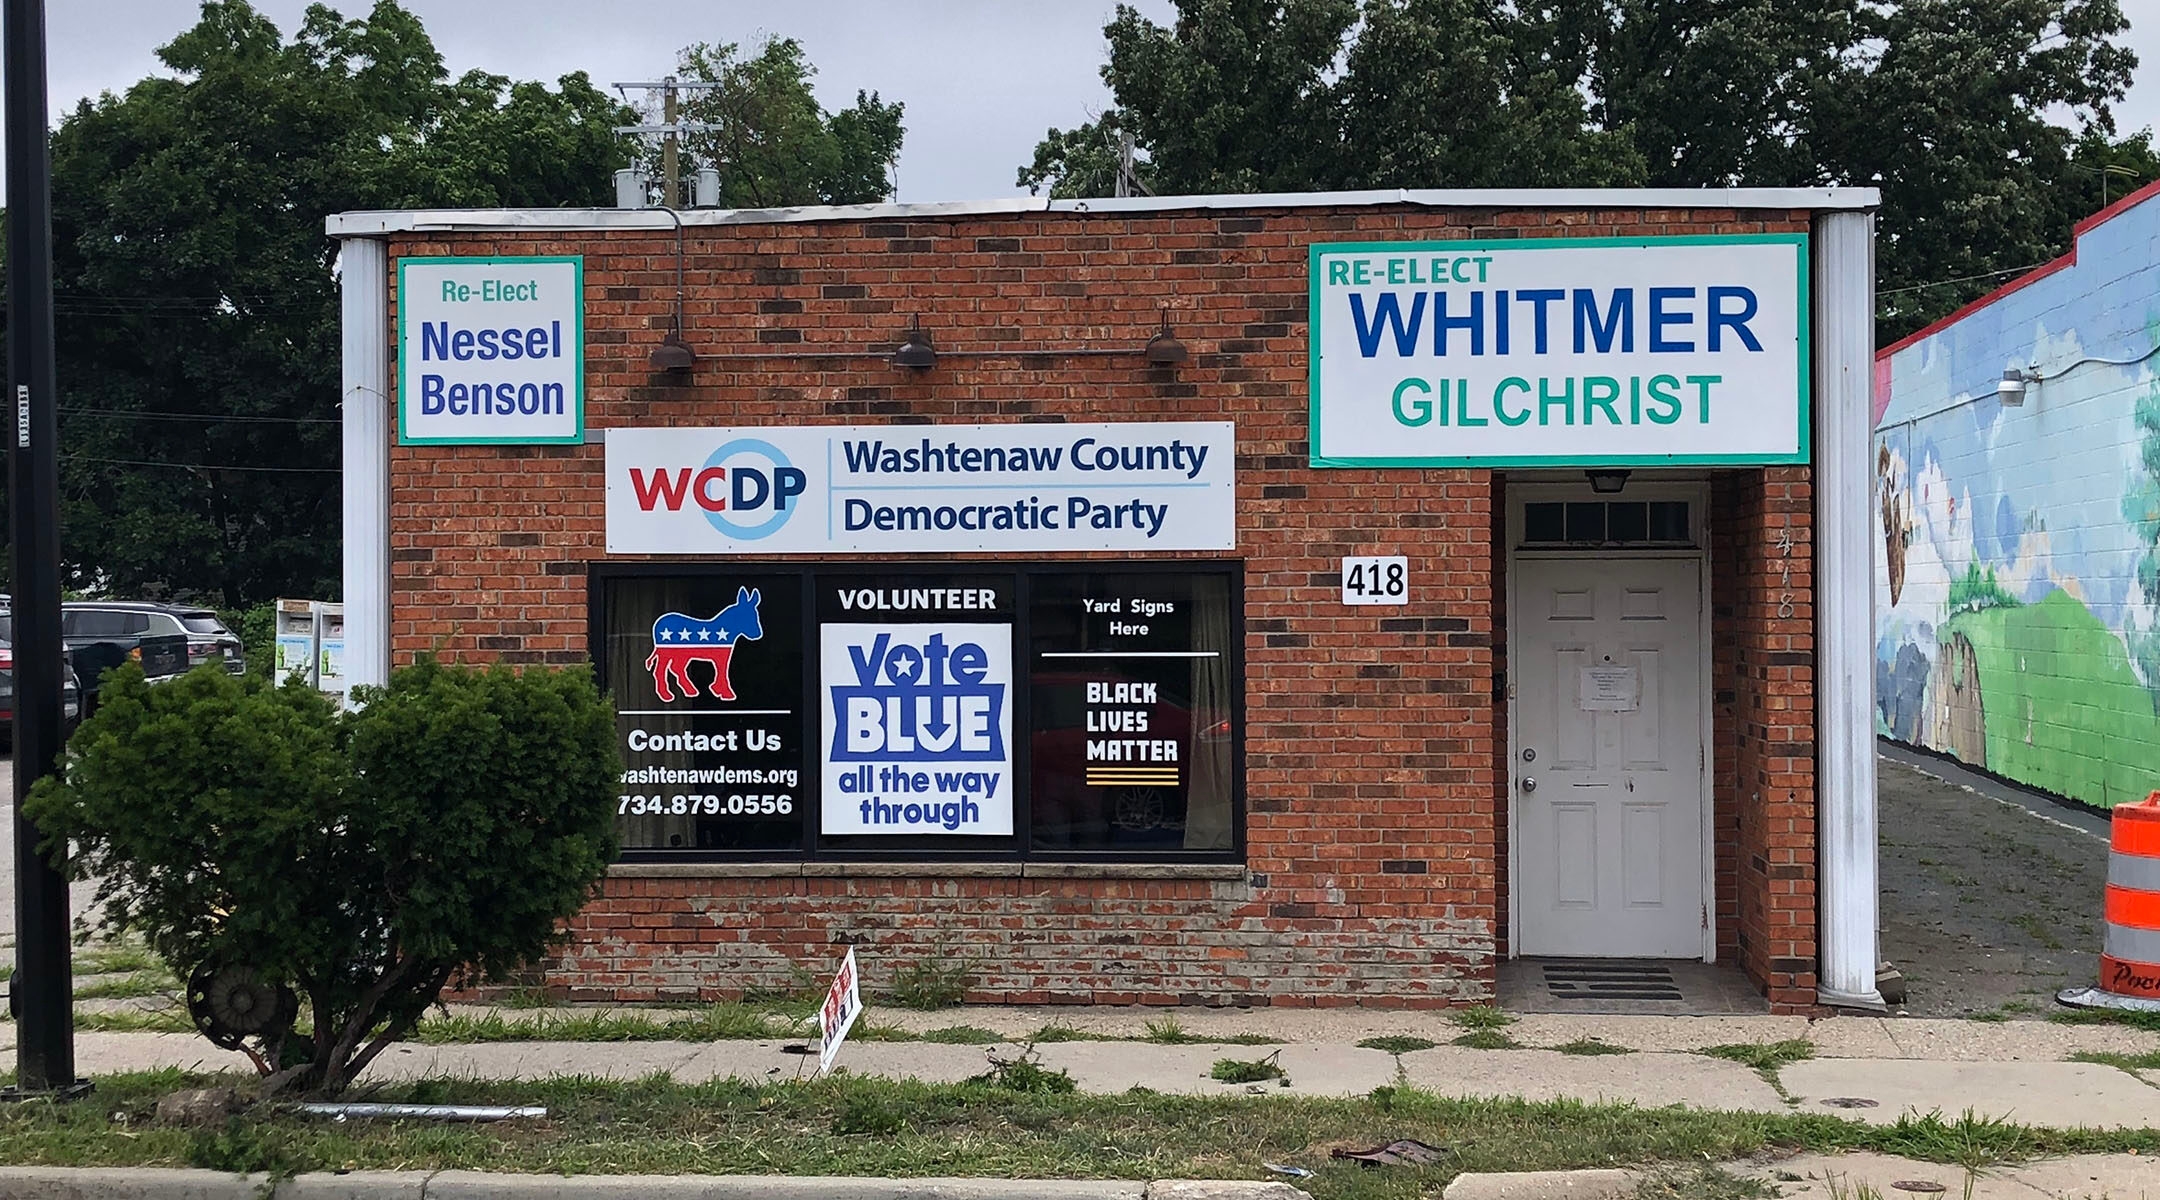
(679, 640)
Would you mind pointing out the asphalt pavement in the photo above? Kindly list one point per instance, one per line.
(78, 895)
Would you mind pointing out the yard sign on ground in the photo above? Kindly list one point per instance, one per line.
(843, 1003)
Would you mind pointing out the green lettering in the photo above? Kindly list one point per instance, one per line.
(1394, 271)
(1665, 391)
(1420, 410)
(1599, 391)
(1703, 383)
(1499, 398)
(1482, 263)
(1338, 272)
(1462, 406)
(1361, 272)
(1546, 399)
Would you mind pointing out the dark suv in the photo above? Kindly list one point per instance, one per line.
(207, 638)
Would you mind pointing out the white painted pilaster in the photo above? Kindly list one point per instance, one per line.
(1845, 528)
(365, 316)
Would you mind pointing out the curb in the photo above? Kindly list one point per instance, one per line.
(1592, 1184)
(166, 1183)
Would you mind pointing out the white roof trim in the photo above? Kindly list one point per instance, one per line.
(424, 220)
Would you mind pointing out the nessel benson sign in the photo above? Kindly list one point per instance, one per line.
(1560, 352)
(491, 350)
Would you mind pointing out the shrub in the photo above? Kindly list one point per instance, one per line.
(441, 831)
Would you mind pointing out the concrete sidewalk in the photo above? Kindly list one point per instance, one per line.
(160, 1183)
(2012, 1070)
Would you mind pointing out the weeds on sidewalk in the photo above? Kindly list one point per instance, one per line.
(1238, 1070)
(1590, 1047)
(962, 1035)
(2107, 1016)
(1764, 1056)
(1482, 1025)
(1025, 1073)
(1701, 1183)
(1397, 1044)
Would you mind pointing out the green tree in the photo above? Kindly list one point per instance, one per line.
(1986, 123)
(442, 830)
(771, 142)
(197, 313)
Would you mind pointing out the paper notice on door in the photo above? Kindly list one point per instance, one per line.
(1607, 688)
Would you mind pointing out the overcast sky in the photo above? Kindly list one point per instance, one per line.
(982, 79)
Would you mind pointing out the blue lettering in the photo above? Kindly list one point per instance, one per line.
(1659, 319)
(1474, 321)
(434, 340)
(1619, 320)
(431, 395)
(1721, 320)
(1387, 312)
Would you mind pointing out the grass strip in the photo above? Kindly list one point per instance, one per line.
(847, 1125)
(128, 987)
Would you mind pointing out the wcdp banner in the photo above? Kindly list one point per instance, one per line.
(1560, 352)
(1017, 488)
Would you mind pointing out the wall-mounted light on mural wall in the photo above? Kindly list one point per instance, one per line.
(916, 351)
(2011, 391)
(1606, 483)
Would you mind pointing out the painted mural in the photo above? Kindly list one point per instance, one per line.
(2017, 580)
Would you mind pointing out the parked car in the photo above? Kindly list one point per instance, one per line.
(70, 688)
(100, 635)
(207, 638)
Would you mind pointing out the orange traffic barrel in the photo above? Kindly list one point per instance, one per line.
(2130, 948)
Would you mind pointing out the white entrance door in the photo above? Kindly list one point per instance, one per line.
(1607, 758)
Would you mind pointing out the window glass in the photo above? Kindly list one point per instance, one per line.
(202, 623)
(1669, 521)
(1586, 522)
(706, 672)
(1626, 521)
(1131, 736)
(916, 716)
(1544, 522)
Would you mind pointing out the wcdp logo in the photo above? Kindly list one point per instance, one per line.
(746, 489)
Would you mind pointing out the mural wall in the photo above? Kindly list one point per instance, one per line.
(2017, 582)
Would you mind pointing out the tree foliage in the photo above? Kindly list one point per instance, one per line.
(197, 314)
(771, 142)
(1986, 123)
(443, 829)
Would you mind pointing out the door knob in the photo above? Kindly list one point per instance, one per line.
(1528, 784)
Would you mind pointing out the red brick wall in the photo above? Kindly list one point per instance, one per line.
(1371, 734)
(1765, 673)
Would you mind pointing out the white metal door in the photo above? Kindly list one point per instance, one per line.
(1607, 758)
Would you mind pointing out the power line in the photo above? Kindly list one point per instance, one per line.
(1898, 291)
(138, 462)
(210, 418)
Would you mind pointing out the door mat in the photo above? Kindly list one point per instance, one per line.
(1609, 979)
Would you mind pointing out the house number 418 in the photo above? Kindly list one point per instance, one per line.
(1376, 580)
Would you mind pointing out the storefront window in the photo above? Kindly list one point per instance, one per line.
(1131, 732)
(838, 711)
(707, 676)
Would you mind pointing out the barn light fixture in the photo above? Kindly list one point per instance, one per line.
(1164, 350)
(2011, 391)
(916, 351)
(1607, 483)
(673, 353)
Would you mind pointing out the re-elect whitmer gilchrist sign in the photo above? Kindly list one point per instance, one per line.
(491, 350)
(1142, 485)
(1560, 352)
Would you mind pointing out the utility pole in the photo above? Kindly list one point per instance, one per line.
(671, 129)
(42, 988)
(670, 166)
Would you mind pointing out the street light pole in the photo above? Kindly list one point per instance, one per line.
(42, 986)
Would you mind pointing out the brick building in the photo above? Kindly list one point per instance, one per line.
(1087, 595)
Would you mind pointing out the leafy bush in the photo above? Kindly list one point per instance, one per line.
(366, 859)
